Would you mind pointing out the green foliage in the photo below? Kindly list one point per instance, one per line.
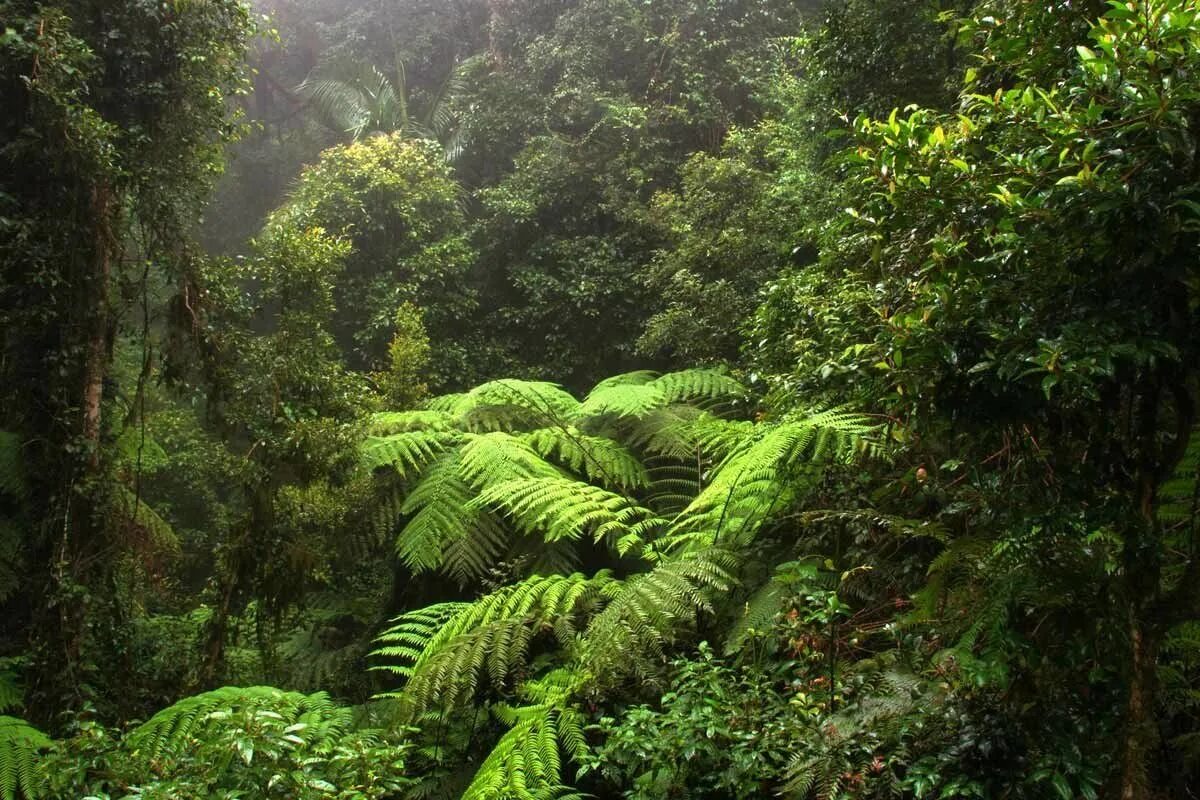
(20, 744)
(397, 205)
(583, 112)
(256, 742)
(402, 383)
(714, 733)
(605, 629)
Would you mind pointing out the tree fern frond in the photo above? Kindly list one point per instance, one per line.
(441, 513)
(597, 457)
(410, 634)
(155, 533)
(636, 395)
(492, 458)
(525, 764)
(20, 743)
(385, 423)
(559, 508)
(406, 452)
(691, 385)
(511, 404)
(636, 378)
(651, 608)
(634, 400)
(757, 614)
(749, 481)
(491, 634)
(446, 404)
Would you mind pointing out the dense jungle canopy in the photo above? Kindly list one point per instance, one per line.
(647, 399)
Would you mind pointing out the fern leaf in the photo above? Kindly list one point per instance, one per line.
(155, 533)
(757, 614)
(492, 634)
(386, 423)
(512, 404)
(441, 514)
(492, 458)
(562, 508)
(406, 452)
(697, 384)
(596, 457)
(20, 743)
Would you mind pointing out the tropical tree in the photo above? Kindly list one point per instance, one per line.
(1019, 279)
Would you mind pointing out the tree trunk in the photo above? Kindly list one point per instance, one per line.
(1140, 728)
(95, 312)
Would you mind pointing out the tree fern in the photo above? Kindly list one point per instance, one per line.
(635, 468)
(20, 744)
(652, 608)
(385, 423)
(492, 458)
(526, 763)
(146, 530)
(764, 468)
(511, 404)
(637, 395)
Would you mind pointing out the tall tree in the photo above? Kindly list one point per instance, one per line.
(115, 117)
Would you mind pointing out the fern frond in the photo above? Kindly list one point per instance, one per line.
(156, 533)
(493, 634)
(597, 457)
(441, 514)
(691, 385)
(410, 634)
(20, 743)
(651, 608)
(526, 763)
(636, 395)
(511, 404)
(446, 404)
(385, 423)
(758, 473)
(492, 458)
(623, 400)
(563, 508)
(406, 452)
(757, 614)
